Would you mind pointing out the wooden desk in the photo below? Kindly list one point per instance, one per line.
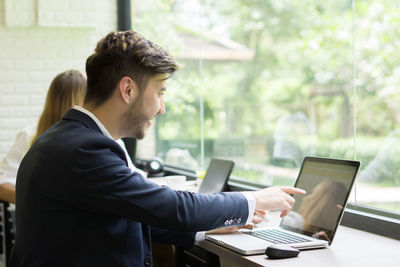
(350, 248)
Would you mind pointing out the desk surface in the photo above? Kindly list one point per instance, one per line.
(350, 248)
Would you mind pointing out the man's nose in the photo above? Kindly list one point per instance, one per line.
(162, 107)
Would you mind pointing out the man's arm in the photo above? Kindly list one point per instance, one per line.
(126, 194)
(97, 178)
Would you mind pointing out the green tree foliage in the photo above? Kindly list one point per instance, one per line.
(303, 62)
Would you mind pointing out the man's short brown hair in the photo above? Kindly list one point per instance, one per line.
(122, 54)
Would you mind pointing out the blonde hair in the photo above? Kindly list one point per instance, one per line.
(66, 90)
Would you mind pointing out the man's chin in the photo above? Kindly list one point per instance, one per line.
(140, 132)
(140, 135)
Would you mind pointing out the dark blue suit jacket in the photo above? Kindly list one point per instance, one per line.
(78, 204)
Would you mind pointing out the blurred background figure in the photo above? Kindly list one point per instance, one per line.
(294, 136)
(384, 167)
(66, 90)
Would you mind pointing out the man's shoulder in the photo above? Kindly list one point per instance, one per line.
(72, 144)
(69, 136)
(77, 134)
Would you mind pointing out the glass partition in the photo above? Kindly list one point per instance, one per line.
(265, 83)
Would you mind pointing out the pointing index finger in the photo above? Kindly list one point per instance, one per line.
(293, 190)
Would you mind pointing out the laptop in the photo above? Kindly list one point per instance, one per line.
(217, 176)
(313, 221)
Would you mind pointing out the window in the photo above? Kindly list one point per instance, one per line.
(265, 83)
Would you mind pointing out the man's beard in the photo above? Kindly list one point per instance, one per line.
(135, 121)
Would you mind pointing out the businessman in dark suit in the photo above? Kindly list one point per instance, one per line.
(78, 203)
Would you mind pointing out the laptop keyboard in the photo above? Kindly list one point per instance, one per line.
(276, 236)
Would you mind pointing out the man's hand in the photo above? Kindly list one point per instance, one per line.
(258, 216)
(276, 198)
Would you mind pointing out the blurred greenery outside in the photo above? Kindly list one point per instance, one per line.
(302, 67)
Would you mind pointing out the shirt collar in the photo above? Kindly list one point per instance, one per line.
(96, 120)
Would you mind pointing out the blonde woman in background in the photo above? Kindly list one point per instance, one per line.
(66, 90)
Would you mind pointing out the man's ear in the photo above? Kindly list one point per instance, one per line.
(128, 89)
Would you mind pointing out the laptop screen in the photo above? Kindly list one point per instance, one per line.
(216, 176)
(328, 183)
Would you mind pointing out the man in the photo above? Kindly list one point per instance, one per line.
(78, 204)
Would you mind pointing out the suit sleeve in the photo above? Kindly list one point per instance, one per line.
(100, 181)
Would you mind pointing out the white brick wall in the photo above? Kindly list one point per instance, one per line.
(39, 39)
